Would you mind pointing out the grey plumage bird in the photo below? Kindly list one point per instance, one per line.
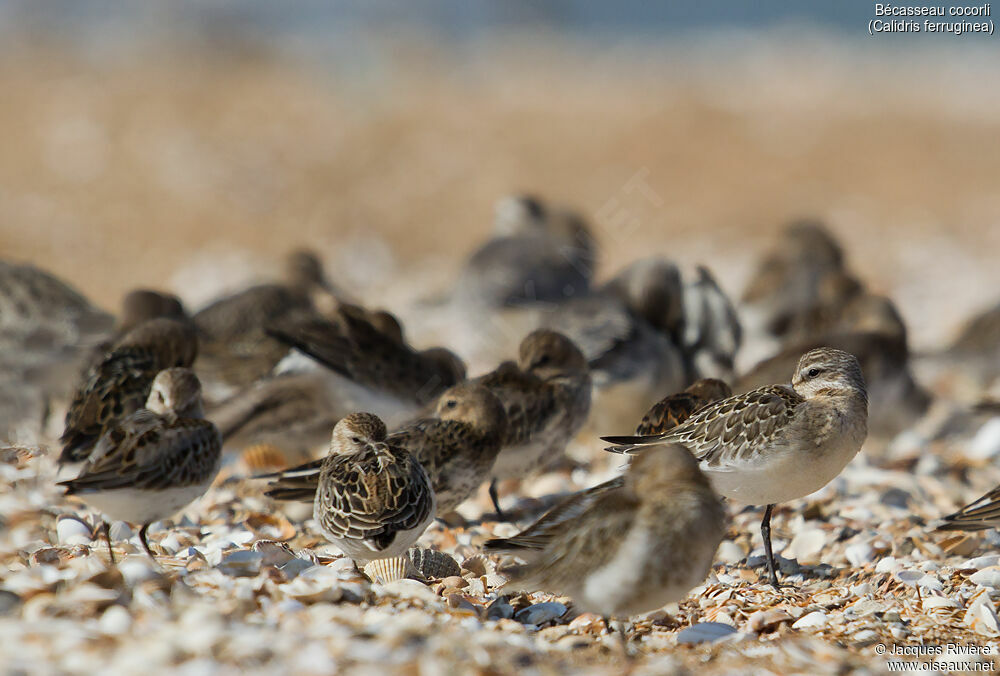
(778, 442)
(628, 546)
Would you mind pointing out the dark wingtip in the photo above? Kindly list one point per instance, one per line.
(956, 522)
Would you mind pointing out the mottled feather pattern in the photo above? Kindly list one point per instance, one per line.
(729, 432)
(455, 454)
(530, 403)
(151, 452)
(115, 388)
(372, 495)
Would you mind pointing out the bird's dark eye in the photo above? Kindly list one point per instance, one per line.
(813, 372)
(451, 403)
(543, 360)
(356, 440)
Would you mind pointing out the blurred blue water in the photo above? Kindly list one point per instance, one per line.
(305, 22)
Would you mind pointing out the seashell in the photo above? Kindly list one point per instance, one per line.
(408, 589)
(122, 532)
(115, 621)
(499, 610)
(961, 544)
(859, 554)
(319, 584)
(50, 555)
(540, 613)
(917, 578)
(981, 562)
(274, 553)
(987, 577)
(937, 602)
(453, 582)
(888, 564)
(479, 565)
(730, 552)
(704, 632)
(241, 563)
(72, 531)
(433, 564)
(806, 545)
(763, 620)
(136, 569)
(383, 571)
(813, 620)
(866, 636)
(981, 616)
(263, 458)
(270, 526)
(170, 544)
(294, 567)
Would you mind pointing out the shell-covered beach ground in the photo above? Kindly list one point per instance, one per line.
(193, 169)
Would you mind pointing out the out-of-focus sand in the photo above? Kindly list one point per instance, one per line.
(138, 171)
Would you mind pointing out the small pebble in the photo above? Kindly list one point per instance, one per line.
(540, 613)
(704, 632)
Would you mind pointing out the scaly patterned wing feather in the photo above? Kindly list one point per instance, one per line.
(528, 402)
(152, 454)
(366, 498)
(668, 413)
(729, 432)
(117, 387)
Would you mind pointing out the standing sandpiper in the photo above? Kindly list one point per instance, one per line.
(547, 399)
(155, 461)
(374, 499)
(777, 443)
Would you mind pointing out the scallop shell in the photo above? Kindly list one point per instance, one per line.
(384, 571)
(434, 564)
(270, 526)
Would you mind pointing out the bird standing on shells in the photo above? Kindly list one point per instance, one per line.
(120, 383)
(776, 443)
(373, 499)
(546, 396)
(154, 462)
(626, 548)
(457, 448)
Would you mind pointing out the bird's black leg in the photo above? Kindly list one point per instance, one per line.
(106, 529)
(496, 499)
(145, 542)
(765, 533)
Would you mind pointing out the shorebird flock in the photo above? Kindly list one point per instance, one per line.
(330, 404)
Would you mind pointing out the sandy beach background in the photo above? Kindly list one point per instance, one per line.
(192, 160)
